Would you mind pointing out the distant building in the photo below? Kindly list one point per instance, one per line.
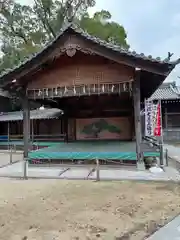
(169, 94)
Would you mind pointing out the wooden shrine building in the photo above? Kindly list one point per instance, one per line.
(169, 95)
(98, 86)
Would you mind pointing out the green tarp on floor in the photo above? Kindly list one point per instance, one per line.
(87, 155)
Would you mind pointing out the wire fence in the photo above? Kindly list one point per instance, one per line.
(96, 163)
(79, 163)
(94, 166)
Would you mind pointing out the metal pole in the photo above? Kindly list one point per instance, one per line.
(25, 169)
(10, 155)
(166, 157)
(8, 133)
(97, 170)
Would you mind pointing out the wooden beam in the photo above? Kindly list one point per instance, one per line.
(137, 116)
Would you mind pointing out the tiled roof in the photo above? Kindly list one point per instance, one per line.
(113, 47)
(46, 113)
(166, 91)
(94, 39)
(178, 89)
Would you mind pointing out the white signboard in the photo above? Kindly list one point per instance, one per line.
(154, 116)
(149, 112)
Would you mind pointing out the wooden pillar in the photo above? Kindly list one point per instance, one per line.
(65, 119)
(26, 126)
(137, 114)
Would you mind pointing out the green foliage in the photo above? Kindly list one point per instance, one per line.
(100, 26)
(25, 30)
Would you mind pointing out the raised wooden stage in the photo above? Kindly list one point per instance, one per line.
(87, 151)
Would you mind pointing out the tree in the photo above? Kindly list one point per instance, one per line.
(100, 26)
(24, 30)
(52, 14)
(21, 34)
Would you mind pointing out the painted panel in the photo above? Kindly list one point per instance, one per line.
(103, 128)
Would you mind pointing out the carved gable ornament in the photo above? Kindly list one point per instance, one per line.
(71, 49)
(72, 45)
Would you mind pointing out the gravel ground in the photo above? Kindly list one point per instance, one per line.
(84, 210)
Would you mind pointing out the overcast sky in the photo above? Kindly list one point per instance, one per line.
(153, 27)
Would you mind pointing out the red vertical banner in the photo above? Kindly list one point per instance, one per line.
(157, 129)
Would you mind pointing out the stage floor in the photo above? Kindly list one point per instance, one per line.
(114, 150)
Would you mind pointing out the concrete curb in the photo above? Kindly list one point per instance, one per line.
(91, 179)
(175, 162)
(171, 230)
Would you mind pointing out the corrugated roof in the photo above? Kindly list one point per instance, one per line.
(166, 91)
(46, 113)
(94, 39)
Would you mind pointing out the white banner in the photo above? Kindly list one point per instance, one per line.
(149, 117)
